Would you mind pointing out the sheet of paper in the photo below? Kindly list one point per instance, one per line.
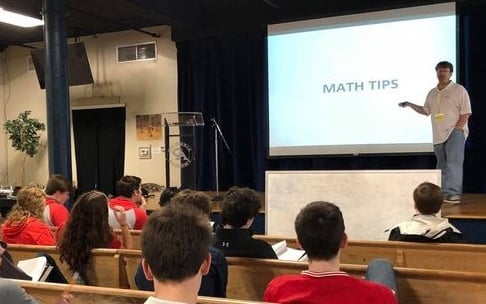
(33, 267)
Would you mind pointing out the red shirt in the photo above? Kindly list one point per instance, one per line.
(127, 204)
(327, 288)
(31, 232)
(115, 243)
(55, 214)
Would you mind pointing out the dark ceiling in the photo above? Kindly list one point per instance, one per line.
(188, 19)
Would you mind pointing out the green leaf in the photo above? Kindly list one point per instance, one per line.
(23, 132)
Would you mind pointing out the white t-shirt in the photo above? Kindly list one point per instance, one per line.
(129, 215)
(154, 300)
(445, 106)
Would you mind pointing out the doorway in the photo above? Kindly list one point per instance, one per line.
(99, 144)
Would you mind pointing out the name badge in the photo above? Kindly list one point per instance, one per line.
(439, 117)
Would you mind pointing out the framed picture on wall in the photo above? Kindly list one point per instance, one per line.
(149, 127)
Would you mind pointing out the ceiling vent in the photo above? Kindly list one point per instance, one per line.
(136, 52)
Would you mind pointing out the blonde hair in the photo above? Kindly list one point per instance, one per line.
(30, 202)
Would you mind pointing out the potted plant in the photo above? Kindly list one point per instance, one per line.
(24, 134)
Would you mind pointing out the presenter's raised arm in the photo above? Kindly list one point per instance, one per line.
(416, 108)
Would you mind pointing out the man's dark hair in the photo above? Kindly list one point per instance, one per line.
(428, 198)
(127, 185)
(57, 182)
(197, 199)
(239, 205)
(167, 195)
(175, 241)
(320, 230)
(444, 65)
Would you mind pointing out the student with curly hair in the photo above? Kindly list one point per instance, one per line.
(24, 224)
(88, 228)
(234, 237)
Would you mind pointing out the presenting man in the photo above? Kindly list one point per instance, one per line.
(449, 106)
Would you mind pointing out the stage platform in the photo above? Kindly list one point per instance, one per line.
(472, 206)
(469, 216)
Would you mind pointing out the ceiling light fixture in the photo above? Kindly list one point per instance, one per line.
(18, 19)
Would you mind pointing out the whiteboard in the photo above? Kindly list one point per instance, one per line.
(371, 201)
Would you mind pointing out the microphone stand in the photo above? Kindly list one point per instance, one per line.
(217, 130)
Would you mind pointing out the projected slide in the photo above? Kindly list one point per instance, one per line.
(334, 84)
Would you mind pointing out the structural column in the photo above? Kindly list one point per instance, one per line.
(57, 88)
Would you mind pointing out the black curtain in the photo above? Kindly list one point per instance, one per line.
(225, 78)
(472, 66)
(99, 141)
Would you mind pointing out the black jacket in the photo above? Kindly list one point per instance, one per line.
(239, 243)
(426, 228)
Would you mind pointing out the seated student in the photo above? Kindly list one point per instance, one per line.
(214, 283)
(24, 224)
(175, 249)
(320, 232)
(58, 189)
(426, 226)
(13, 293)
(167, 195)
(129, 192)
(88, 228)
(234, 237)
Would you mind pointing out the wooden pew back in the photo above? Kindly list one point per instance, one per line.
(248, 279)
(107, 265)
(50, 292)
(131, 260)
(136, 236)
(457, 257)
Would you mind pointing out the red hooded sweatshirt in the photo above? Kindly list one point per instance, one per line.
(30, 232)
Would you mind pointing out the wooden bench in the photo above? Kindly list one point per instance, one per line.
(457, 257)
(136, 237)
(108, 265)
(131, 260)
(248, 279)
(50, 292)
